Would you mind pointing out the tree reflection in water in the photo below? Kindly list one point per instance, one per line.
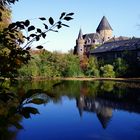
(110, 96)
(15, 105)
(96, 97)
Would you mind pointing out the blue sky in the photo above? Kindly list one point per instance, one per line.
(123, 16)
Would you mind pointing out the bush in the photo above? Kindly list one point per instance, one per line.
(107, 71)
(72, 66)
(92, 67)
(120, 67)
(54, 64)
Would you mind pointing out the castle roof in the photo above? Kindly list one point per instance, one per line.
(121, 45)
(92, 37)
(104, 25)
(118, 38)
(80, 35)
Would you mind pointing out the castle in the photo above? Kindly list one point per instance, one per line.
(84, 42)
(105, 45)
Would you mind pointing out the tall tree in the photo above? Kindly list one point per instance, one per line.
(5, 18)
(11, 39)
(6, 2)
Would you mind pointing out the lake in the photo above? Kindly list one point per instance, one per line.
(83, 110)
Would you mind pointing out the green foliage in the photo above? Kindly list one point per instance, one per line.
(5, 17)
(47, 64)
(120, 67)
(11, 40)
(107, 86)
(72, 66)
(6, 2)
(107, 71)
(92, 67)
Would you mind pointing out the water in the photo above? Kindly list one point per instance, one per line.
(81, 110)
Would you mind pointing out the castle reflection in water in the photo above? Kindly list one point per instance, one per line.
(104, 107)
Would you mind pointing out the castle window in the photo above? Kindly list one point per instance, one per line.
(88, 41)
(81, 49)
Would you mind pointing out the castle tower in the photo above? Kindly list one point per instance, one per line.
(80, 44)
(104, 29)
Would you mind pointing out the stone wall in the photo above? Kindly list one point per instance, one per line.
(106, 34)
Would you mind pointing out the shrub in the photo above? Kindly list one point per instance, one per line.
(120, 67)
(107, 71)
(92, 67)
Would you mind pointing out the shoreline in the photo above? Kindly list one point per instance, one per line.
(87, 79)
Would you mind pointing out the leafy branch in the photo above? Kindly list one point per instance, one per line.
(7, 2)
(12, 38)
(35, 34)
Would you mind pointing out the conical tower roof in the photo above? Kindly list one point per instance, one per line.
(80, 35)
(104, 25)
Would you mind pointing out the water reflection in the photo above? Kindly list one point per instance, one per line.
(16, 103)
(103, 112)
(100, 98)
(110, 97)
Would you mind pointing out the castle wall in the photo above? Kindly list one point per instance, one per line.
(80, 47)
(106, 34)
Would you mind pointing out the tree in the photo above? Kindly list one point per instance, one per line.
(107, 71)
(7, 2)
(72, 66)
(92, 67)
(120, 67)
(5, 17)
(12, 39)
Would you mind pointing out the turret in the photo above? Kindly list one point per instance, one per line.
(104, 29)
(80, 44)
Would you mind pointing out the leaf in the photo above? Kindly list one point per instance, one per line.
(20, 41)
(32, 92)
(26, 111)
(31, 28)
(59, 22)
(37, 38)
(21, 27)
(30, 110)
(33, 35)
(65, 25)
(70, 14)
(11, 26)
(17, 125)
(28, 48)
(43, 35)
(39, 47)
(42, 18)
(12, 36)
(62, 15)
(27, 23)
(37, 101)
(46, 26)
(39, 30)
(51, 21)
(68, 18)
(24, 37)
(28, 38)
(59, 26)
(18, 23)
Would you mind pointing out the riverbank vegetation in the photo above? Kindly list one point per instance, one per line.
(55, 64)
